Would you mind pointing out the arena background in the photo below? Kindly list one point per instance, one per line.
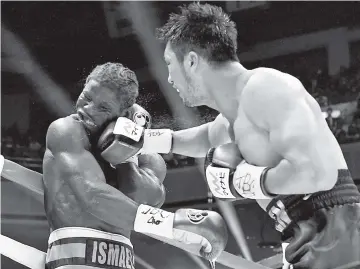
(48, 48)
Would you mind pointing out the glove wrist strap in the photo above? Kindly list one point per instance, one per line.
(218, 179)
(154, 221)
(157, 141)
(248, 181)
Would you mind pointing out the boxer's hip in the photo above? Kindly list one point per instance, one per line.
(84, 248)
(323, 230)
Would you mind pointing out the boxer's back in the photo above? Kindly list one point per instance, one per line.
(62, 206)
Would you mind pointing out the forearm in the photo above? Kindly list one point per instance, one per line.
(286, 178)
(112, 206)
(192, 142)
(94, 195)
(140, 184)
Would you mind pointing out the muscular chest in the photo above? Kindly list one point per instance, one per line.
(254, 143)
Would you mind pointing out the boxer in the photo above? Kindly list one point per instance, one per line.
(91, 213)
(270, 141)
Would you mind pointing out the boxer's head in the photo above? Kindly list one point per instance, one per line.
(199, 37)
(110, 90)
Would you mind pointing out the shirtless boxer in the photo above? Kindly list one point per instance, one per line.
(92, 211)
(270, 141)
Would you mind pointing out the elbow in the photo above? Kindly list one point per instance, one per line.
(329, 178)
(324, 179)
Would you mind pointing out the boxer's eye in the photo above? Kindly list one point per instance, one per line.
(104, 108)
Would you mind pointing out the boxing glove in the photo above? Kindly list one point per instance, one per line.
(220, 165)
(120, 140)
(117, 143)
(140, 116)
(143, 183)
(155, 140)
(229, 176)
(155, 163)
(203, 228)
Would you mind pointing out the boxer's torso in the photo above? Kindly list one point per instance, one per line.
(62, 207)
(254, 144)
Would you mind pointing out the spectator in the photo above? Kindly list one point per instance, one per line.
(34, 148)
(7, 148)
(354, 130)
(332, 118)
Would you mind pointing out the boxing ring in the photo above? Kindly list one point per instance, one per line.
(32, 181)
(21, 61)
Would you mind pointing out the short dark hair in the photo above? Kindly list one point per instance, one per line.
(203, 28)
(118, 78)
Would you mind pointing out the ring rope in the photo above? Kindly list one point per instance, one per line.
(33, 181)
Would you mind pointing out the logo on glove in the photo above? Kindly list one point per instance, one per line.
(196, 216)
(222, 188)
(245, 185)
(140, 118)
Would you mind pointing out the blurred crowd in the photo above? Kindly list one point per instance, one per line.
(328, 91)
(14, 144)
(342, 88)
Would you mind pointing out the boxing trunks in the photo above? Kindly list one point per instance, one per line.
(323, 230)
(84, 248)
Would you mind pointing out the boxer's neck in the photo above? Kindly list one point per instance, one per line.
(225, 85)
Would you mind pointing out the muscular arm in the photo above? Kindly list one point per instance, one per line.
(143, 182)
(281, 109)
(67, 159)
(194, 142)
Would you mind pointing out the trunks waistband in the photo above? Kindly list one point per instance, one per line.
(289, 209)
(87, 248)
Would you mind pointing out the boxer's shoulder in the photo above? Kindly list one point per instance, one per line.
(268, 89)
(66, 134)
(268, 81)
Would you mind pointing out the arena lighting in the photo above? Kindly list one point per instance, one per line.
(19, 60)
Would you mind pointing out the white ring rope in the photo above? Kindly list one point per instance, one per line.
(36, 259)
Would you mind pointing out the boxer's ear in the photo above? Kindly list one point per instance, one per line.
(192, 61)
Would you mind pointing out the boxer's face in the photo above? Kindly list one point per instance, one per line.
(185, 78)
(97, 105)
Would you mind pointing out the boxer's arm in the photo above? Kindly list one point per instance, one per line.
(194, 142)
(70, 161)
(278, 105)
(143, 183)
